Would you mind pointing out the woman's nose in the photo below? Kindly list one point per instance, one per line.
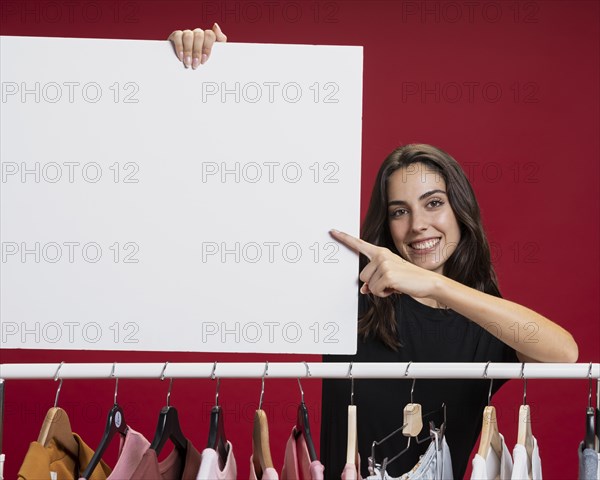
(419, 222)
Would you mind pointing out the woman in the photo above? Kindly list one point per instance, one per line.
(428, 294)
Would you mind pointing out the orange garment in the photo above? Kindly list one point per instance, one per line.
(54, 463)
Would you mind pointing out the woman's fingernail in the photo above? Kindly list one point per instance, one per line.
(204, 58)
(195, 63)
(217, 25)
(333, 230)
(188, 61)
(180, 55)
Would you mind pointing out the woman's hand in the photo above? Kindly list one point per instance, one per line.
(388, 273)
(193, 47)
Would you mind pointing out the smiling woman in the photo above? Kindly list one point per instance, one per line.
(429, 294)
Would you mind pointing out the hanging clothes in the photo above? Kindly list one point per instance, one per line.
(428, 335)
(268, 473)
(210, 469)
(131, 451)
(523, 469)
(492, 467)
(589, 460)
(297, 464)
(175, 466)
(352, 470)
(52, 462)
(435, 464)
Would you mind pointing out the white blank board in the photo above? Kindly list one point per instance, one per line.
(145, 206)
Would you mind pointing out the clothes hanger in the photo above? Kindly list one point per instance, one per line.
(168, 427)
(590, 418)
(302, 422)
(261, 451)
(490, 435)
(57, 426)
(524, 435)
(410, 428)
(216, 432)
(115, 423)
(352, 444)
(413, 418)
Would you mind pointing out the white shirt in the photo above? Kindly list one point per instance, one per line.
(521, 463)
(492, 467)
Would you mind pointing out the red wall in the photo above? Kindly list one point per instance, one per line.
(510, 89)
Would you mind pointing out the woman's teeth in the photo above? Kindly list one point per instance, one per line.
(425, 245)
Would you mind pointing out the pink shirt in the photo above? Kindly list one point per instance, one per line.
(174, 467)
(297, 464)
(268, 473)
(209, 466)
(131, 451)
(352, 471)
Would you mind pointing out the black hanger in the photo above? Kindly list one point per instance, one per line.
(216, 432)
(115, 423)
(302, 423)
(590, 428)
(303, 428)
(168, 427)
(591, 419)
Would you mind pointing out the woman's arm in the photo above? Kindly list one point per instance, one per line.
(534, 337)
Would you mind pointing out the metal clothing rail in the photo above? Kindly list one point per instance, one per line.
(299, 370)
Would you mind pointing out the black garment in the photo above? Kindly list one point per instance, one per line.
(428, 335)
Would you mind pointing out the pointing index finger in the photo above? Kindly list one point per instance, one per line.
(354, 243)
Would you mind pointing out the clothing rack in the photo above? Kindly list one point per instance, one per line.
(349, 370)
(213, 370)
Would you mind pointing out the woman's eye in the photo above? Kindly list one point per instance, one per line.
(436, 203)
(397, 213)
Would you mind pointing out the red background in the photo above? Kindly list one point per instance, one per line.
(510, 89)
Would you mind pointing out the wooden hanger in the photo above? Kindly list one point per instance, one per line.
(490, 435)
(352, 444)
(57, 426)
(524, 435)
(261, 450)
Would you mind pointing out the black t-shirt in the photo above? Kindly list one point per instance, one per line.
(427, 335)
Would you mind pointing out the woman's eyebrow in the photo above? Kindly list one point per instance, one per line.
(425, 195)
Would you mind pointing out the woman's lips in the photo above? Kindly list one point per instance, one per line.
(424, 246)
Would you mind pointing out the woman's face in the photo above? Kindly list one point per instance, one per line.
(422, 224)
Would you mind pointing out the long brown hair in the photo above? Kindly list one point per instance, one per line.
(469, 264)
